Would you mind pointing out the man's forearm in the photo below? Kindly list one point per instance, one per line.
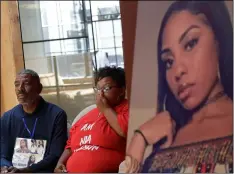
(111, 117)
(25, 170)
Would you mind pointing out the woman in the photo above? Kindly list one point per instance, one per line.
(23, 147)
(31, 160)
(33, 146)
(195, 94)
(40, 147)
(97, 141)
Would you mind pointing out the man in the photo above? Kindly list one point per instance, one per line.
(32, 119)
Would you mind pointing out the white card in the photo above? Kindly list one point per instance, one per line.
(27, 152)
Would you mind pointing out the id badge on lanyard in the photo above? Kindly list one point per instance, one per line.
(28, 151)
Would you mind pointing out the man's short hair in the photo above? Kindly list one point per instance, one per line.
(31, 72)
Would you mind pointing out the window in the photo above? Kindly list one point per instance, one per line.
(65, 41)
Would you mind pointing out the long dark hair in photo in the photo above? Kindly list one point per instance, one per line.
(219, 20)
(31, 160)
(33, 143)
(40, 143)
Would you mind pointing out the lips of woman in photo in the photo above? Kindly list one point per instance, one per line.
(184, 91)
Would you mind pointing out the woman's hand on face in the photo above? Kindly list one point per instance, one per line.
(159, 127)
(60, 168)
(102, 102)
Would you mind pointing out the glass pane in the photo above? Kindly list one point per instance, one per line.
(49, 33)
(30, 19)
(104, 28)
(53, 48)
(45, 68)
(74, 45)
(106, 57)
(104, 10)
(119, 55)
(73, 99)
(70, 69)
(118, 27)
(72, 30)
(105, 35)
(71, 58)
(106, 42)
(43, 20)
(118, 41)
(93, 62)
(102, 57)
(90, 34)
(74, 66)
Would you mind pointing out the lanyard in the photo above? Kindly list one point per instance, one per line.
(34, 127)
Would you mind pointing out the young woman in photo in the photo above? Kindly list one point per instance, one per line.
(192, 132)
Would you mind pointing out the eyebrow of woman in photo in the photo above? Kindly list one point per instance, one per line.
(182, 37)
(216, 16)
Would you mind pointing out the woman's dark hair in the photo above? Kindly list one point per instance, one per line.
(40, 144)
(33, 143)
(116, 73)
(219, 20)
(30, 162)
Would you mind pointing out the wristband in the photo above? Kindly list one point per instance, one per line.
(138, 131)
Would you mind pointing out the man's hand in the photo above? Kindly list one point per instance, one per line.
(102, 102)
(60, 168)
(158, 127)
(16, 170)
(4, 169)
(13, 170)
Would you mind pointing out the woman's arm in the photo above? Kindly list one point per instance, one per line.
(153, 130)
(110, 114)
(112, 119)
(137, 148)
(60, 167)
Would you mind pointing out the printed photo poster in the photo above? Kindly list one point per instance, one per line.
(28, 152)
(183, 51)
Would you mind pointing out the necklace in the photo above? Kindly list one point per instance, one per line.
(215, 98)
(212, 99)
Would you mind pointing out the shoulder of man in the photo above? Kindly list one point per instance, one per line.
(12, 112)
(55, 110)
(53, 106)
